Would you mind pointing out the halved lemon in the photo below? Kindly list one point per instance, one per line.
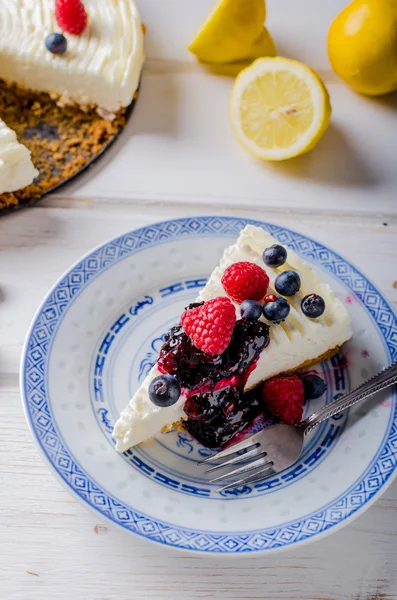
(234, 31)
(280, 108)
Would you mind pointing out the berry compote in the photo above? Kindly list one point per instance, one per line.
(215, 417)
(216, 405)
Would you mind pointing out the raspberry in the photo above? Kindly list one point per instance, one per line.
(71, 16)
(210, 325)
(284, 397)
(245, 281)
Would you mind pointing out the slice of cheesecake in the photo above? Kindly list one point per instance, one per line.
(16, 166)
(100, 68)
(212, 392)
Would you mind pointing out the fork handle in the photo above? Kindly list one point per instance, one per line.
(377, 383)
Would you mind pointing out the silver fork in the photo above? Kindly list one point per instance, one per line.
(279, 446)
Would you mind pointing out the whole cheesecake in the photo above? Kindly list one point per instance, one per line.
(299, 322)
(100, 68)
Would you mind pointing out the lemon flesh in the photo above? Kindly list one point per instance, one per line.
(279, 108)
(362, 46)
(234, 31)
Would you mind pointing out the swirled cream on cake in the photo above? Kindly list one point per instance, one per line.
(16, 167)
(101, 67)
(299, 325)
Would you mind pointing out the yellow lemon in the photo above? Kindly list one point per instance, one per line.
(234, 31)
(362, 46)
(279, 108)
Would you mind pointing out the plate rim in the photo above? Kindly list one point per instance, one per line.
(240, 222)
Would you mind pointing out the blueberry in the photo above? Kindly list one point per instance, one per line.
(287, 283)
(250, 310)
(276, 309)
(56, 43)
(275, 256)
(313, 306)
(164, 390)
(314, 386)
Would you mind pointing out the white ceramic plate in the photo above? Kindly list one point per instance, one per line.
(95, 337)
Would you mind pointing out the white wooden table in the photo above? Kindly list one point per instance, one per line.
(178, 157)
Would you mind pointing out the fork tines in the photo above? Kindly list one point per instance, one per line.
(259, 476)
(246, 444)
(247, 456)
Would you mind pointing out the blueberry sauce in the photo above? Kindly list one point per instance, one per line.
(215, 417)
(216, 406)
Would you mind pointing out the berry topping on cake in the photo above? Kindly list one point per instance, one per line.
(215, 418)
(284, 398)
(275, 256)
(192, 367)
(56, 43)
(275, 309)
(210, 325)
(164, 390)
(71, 16)
(287, 283)
(245, 281)
(314, 386)
(313, 306)
(250, 310)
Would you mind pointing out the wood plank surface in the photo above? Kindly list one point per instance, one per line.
(52, 548)
(180, 127)
(176, 158)
(49, 542)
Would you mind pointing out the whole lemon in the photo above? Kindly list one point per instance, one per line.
(362, 46)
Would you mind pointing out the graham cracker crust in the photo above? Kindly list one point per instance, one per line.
(62, 140)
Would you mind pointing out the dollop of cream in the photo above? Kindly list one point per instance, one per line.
(16, 166)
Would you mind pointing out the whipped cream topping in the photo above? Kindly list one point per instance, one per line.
(101, 67)
(292, 343)
(298, 339)
(16, 167)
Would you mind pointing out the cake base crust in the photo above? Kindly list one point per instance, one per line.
(62, 140)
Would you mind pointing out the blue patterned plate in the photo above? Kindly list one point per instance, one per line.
(94, 339)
